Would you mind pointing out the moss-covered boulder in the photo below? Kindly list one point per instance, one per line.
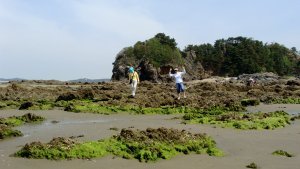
(146, 145)
(239, 120)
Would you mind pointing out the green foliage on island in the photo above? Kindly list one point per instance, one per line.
(148, 145)
(238, 55)
(159, 50)
(239, 120)
(230, 57)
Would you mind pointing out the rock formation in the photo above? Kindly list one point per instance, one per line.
(148, 72)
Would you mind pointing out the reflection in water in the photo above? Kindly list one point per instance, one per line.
(28, 129)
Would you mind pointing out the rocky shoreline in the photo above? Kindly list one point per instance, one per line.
(222, 92)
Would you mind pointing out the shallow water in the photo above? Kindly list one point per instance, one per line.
(47, 125)
(241, 147)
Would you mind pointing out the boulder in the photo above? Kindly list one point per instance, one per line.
(26, 105)
(148, 72)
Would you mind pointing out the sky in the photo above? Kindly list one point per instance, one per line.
(71, 39)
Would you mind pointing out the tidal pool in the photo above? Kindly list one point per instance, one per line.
(240, 147)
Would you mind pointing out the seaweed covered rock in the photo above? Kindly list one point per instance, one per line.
(145, 145)
(19, 120)
(30, 118)
(34, 149)
(161, 134)
(239, 120)
(6, 124)
(7, 131)
(67, 97)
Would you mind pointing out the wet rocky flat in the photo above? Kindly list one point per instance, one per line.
(240, 147)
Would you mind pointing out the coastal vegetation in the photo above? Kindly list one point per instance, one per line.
(238, 55)
(226, 57)
(159, 50)
(146, 145)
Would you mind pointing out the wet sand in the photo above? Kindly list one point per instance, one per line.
(240, 147)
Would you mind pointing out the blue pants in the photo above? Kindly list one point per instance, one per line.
(179, 87)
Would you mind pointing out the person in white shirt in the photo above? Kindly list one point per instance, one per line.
(179, 82)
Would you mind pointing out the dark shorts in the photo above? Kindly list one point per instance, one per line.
(179, 87)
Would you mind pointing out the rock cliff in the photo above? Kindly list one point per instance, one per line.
(148, 72)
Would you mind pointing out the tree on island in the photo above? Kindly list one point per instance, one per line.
(226, 57)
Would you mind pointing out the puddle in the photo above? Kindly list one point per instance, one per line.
(29, 129)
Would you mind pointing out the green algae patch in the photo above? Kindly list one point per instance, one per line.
(19, 120)
(6, 132)
(43, 105)
(95, 107)
(147, 145)
(62, 148)
(239, 120)
(9, 104)
(6, 124)
(289, 100)
(282, 153)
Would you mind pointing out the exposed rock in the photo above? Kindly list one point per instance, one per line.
(262, 78)
(148, 72)
(293, 83)
(26, 105)
(161, 134)
(67, 97)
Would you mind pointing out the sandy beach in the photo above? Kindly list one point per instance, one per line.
(240, 147)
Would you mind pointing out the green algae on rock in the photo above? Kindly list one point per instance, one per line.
(289, 100)
(19, 120)
(95, 107)
(239, 120)
(7, 131)
(252, 165)
(6, 124)
(146, 145)
(282, 153)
